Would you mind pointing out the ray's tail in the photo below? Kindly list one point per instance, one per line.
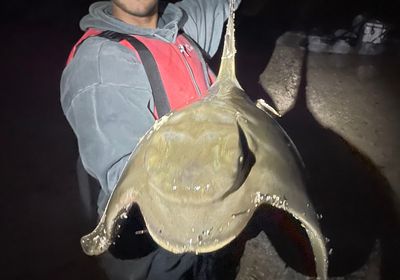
(227, 69)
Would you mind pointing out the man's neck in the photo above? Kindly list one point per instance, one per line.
(145, 22)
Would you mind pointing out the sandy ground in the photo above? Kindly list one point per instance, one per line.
(355, 96)
(342, 113)
(347, 138)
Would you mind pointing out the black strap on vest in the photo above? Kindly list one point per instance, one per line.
(150, 66)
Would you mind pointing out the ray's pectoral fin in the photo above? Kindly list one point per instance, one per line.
(308, 218)
(100, 239)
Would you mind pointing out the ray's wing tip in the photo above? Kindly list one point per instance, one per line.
(95, 243)
(312, 228)
(319, 249)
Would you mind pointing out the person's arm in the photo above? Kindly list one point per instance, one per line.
(105, 95)
(204, 21)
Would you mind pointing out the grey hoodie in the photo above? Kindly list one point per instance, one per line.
(105, 94)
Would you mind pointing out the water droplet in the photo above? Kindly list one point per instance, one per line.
(257, 199)
(123, 216)
(327, 240)
(192, 229)
(319, 216)
(141, 231)
(174, 188)
(330, 252)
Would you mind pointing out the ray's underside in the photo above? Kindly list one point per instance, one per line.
(231, 129)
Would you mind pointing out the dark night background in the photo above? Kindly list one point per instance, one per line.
(40, 208)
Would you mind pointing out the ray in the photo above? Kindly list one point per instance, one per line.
(199, 173)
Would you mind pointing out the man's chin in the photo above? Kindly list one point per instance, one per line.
(137, 10)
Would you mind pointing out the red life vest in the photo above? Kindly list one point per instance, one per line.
(181, 68)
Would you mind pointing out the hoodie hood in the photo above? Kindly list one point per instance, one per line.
(100, 17)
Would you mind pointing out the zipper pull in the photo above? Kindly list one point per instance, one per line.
(182, 49)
